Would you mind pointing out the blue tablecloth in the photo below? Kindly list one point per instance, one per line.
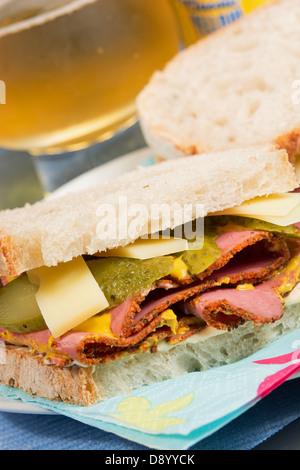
(52, 432)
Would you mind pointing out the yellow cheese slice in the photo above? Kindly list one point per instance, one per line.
(68, 295)
(279, 209)
(292, 218)
(276, 204)
(150, 248)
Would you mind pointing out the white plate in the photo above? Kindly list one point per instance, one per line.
(18, 406)
(100, 174)
(103, 173)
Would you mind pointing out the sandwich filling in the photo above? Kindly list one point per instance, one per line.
(243, 271)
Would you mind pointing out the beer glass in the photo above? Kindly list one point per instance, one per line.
(72, 69)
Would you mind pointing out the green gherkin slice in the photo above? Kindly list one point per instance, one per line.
(19, 311)
(121, 278)
(198, 260)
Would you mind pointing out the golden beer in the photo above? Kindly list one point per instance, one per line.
(72, 73)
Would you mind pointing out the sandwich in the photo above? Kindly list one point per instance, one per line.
(102, 293)
(238, 87)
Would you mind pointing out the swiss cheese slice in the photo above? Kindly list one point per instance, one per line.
(68, 295)
(278, 209)
(148, 248)
(292, 218)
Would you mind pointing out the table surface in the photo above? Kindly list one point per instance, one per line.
(19, 184)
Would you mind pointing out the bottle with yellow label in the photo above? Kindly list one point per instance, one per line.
(199, 18)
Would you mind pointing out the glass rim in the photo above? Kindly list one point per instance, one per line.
(42, 17)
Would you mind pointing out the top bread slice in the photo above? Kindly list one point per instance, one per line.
(238, 87)
(57, 230)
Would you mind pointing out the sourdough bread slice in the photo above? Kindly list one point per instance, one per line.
(20, 368)
(87, 386)
(54, 231)
(237, 87)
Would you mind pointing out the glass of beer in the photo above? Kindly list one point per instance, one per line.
(72, 69)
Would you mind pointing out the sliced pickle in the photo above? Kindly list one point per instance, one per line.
(19, 311)
(119, 279)
(122, 278)
(198, 260)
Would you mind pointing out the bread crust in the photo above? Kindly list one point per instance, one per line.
(28, 372)
(290, 142)
(243, 99)
(166, 148)
(8, 260)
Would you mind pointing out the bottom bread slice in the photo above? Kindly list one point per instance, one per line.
(28, 372)
(87, 386)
